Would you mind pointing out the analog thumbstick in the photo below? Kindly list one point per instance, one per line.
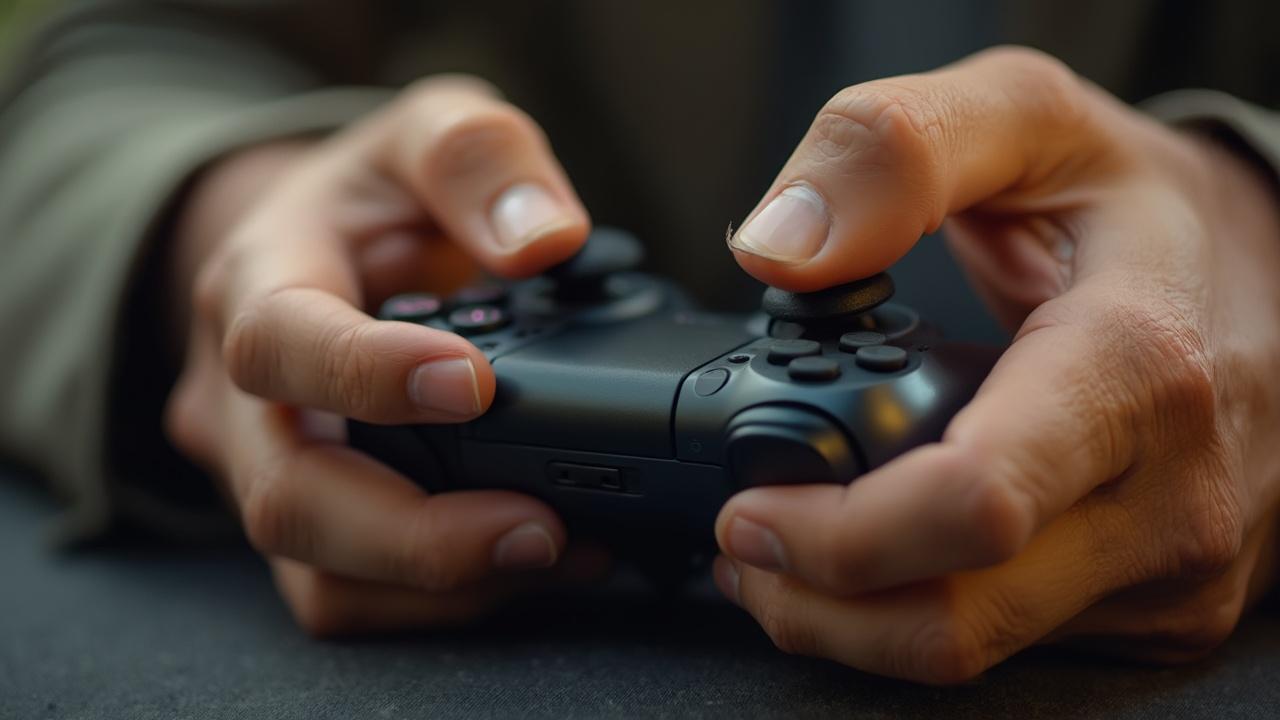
(831, 306)
(772, 445)
(608, 251)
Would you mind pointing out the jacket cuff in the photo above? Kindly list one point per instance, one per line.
(131, 476)
(1251, 129)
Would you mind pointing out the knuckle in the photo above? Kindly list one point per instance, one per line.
(271, 519)
(886, 126)
(779, 617)
(426, 89)
(348, 369)
(940, 652)
(208, 288)
(1179, 394)
(1001, 516)
(1165, 385)
(1203, 622)
(469, 144)
(1173, 352)
(1047, 87)
(249, 351)
(317, 608)
(424, 560)
(1212, 535)
(184, 422)
(840, 562)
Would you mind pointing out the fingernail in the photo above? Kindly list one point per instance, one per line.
(755, 544)
(446, 385)
(527, 547)
(526, 212)
(725, 574)
(792, 228)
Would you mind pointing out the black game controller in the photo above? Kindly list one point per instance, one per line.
(636, 416)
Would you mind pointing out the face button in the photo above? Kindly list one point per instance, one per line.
(477, 320)
(412, 307)
(813, 369)
(851, 341)
(782, 352)
(881, 358)
(485, 294)
(710, 382)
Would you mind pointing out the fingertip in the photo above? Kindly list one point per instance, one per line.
(842, 263)
(727, 578)
(548, 246)
(528, 546)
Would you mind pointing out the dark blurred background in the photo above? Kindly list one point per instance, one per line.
(672, 118)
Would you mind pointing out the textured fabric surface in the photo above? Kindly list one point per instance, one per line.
(137, 631)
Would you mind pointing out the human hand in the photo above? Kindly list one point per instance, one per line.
(1114, 481)
(281, 249)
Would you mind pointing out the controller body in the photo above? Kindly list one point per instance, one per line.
(636, 416)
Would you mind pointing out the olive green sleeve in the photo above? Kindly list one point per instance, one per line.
(1254, 129)
(103, 118)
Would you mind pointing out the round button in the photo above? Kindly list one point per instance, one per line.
(881, 358)
(411, 307)
(851, 341)
(782, 352)
(607, 251)
(485, 294)
(828, 306)
(710, 382)
(477, 320)
(770, 445)
(813, 369)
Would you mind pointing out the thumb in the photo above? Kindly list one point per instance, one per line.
(886, 162)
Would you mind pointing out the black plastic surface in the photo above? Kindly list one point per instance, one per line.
(630, 412)
(832, 305)
(775, 444)
(813, 369)
(881, 358)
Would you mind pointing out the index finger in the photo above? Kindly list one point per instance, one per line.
(285, 295)
(324, 504)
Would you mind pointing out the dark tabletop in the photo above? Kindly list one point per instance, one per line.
(139, 630)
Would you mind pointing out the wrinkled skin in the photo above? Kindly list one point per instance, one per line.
(1114, 482)
(1111, 484)
(281, 249)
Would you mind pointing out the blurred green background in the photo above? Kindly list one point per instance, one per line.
(14, 15)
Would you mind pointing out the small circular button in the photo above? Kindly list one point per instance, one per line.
(881, 358)
(477, 320)
(739, 358)
(813, 369)
(851, 341)
(484, 294)
(782, 352)
(710, 382)
(411, 307)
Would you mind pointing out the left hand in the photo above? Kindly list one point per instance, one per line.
(1115, 480)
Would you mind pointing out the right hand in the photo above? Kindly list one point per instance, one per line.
(280, 252)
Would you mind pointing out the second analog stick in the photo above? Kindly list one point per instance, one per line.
(832, 306)
(608, 251)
